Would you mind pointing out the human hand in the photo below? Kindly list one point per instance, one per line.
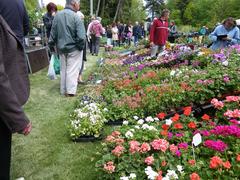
(151, 44)
(27, 129)
(53, 13)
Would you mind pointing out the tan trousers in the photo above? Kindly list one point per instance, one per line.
(70, 67)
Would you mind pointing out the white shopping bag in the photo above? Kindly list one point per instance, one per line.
(51, 72)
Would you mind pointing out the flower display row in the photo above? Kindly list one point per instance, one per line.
(181, 147)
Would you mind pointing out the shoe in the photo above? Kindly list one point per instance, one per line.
(69, 95)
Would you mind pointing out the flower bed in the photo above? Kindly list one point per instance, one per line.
(159, 148)
(87, 120)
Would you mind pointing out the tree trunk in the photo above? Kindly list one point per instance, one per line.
(118, 7)
(98, 7)
(103, 8)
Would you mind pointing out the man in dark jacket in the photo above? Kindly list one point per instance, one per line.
(15, 14)
(14, 92)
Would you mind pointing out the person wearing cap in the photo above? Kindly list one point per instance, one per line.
(225, 35)
(159, 33)
(68, 34)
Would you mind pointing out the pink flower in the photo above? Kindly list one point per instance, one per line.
(119, 141)
(232, 114)
(116, 134)
(109, 167)
(145, 147)
(173, 149)
(149, 160)
(134, 146)
(217, 104)
(183, 146)
(118, 151)
(160, 144)
(110, 139)
(232, 98)
(216, 145)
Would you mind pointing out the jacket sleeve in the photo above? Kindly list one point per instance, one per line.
(152, 31)
(80, 32)
(53, 34)
(25, 22)
(236, 38)
(11, 112)
(213, 35)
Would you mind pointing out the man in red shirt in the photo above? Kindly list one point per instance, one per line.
(159, 33)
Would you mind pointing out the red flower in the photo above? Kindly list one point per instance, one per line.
(194, 176)
(175, 117)
(215, 162)
(192, 125)
(206, 117)
(187, 111)
(227, 165)
(165, 127)
(161, 115)
(164, 163)
(238, 158)
(192, 162)
(164, 133)
(178, 126)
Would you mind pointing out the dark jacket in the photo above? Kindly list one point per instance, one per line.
(15, 14)
(14, 83)
(47, 20)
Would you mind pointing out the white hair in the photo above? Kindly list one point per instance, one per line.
(69, 2)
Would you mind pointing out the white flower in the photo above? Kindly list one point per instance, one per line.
(135, 117)
(149, 119)
(172, 174)
(132, 176)
(129, 134)
(137, 127)
(225, 63)
(124, 178)
(125, 122)
(180, 168)
(150, 173)
(172, 73)
(145, 126)
(152, 128)
(141, 121)
(85, 102)
(156, 119)
(133, 130)
(168, 122)
(165, 178)
(105, 110)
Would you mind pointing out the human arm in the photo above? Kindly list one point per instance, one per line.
(152, 32)
(53, 34)
(80, 33)
(213, 36)
(25, 21)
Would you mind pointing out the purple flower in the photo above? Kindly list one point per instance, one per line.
(220, 56)
(140, 67)
(178, 153)
(132, 68)
(179, 135)
(226, 78)
(170, 135)
(218, 145)
(234, 121)
(200, 81)
(183, 146)
(226, 130)
(205, 133)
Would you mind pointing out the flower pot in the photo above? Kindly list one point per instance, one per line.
(115, 123)
(88, 138)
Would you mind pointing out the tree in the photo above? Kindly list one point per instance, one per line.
(154, 6)
(118, 9)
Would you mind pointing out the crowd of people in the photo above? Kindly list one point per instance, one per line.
(69, 38)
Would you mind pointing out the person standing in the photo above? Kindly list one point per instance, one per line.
(49, 16)
(89, 40)
(14, 88)
(136, 33)
(225, 34)
(15, 14)
(96, 31)
(114, 34)
(159, 33)
(109, 37)
(69, 34)
(202, 32)
(173, 32)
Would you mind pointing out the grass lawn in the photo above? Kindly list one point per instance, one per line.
(48, 153)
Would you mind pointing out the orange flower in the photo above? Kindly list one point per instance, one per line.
(187, 111)
(161, 115)
(165, 127)
(192, 125)
(215, 162)
(227, 165)
(194, 176)
(164, 163)
(238, 157)
(178, 126)
(175, 117)
(206, 117)
(192, 162)
(164, 133)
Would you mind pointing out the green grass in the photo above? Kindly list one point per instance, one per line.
(48, 153)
